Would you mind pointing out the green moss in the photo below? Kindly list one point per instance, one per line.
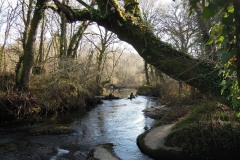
(207, 131)
(118, 8)
(194, 116)
(174, 114)
(204, 130)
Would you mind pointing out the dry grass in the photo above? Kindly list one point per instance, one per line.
(46, 96)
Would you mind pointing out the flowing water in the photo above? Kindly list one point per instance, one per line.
(118, 122)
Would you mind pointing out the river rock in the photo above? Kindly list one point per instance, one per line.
(155, 112)
(152, 143)
(103, 152)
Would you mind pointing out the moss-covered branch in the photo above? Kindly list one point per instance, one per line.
(133, 7)
(73, 15)
(178, 65)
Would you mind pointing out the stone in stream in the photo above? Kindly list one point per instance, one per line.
(152, 144)
(103, 152)
(155, 112)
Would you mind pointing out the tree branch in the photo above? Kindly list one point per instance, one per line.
(86, 5)
(69, 13)
(73, 15)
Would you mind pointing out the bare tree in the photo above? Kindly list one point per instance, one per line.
(103, 44)
(180, 29)
(10, 19)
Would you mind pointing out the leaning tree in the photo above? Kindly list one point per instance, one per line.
(125, 21)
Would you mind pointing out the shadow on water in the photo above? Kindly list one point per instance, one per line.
(117, 121)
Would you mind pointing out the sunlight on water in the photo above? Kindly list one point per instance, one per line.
(117, 121)
(60, 153)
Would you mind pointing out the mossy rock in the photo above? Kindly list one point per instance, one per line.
(103, 152)
(207, 132)
(160, 153)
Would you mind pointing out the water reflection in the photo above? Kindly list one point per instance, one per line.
(118, 122)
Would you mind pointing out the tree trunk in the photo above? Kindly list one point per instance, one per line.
(28, 55)
(146, 73)
(39, 67)
(74, 42)
(41, 45)
(176, 64)
(63, 34)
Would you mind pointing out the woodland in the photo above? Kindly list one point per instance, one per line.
(56, 56)
(82, 46)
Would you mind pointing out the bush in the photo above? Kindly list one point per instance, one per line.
(149, 91)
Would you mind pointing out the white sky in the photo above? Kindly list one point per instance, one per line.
(2, 27)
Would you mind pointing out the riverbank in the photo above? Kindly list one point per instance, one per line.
(42, 102)
(115, 121)
(202, 130)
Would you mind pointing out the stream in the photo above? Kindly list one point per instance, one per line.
(117, 121)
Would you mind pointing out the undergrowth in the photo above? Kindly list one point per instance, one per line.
(47, 95)
(209, 129)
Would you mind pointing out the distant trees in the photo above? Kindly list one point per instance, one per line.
(8, 22)
(125, 20)
(173, 24)
(152, 17)
(103, 43)
(41, 42)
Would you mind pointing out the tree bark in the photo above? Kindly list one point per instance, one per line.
(41, 45)
(176, 64)
(74, 42)
(28, 55)
(63, 34)
(146, 73)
